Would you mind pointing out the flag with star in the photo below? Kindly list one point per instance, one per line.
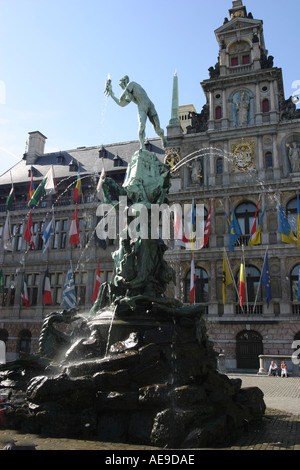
(266, 280)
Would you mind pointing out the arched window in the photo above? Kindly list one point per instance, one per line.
(265, 106)
(201, 286)
(291, 213)
(294, 280)
(252, 278)
(25, 342)
(269, 160)
(218, 112)
(245, 214)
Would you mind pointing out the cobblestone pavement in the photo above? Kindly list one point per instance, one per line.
(279, 429)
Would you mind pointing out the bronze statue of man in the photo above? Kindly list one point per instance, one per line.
(135, 93)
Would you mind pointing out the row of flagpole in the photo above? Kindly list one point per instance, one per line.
(48, 187)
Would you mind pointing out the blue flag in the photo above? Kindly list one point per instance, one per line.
(69, 294)
(266, 280)
(234, 229)
(47, 234)
(287, 235)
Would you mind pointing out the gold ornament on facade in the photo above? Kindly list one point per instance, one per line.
(172, 157)
(243, 155)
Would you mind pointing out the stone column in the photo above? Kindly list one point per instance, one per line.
(275, 158)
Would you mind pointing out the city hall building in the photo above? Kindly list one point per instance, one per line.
(239, 157)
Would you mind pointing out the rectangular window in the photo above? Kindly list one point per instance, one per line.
(234, 61)
(56, 282)
(33, 280)
(80, 280)
(60, 234)
(246, 59)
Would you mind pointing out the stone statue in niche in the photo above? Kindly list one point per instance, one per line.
(294, 157)
(241, 109)
(195, 171)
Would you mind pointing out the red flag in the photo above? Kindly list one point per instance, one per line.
(77, 190)
(24, 293)
(47, 299)
(31, 189)
(74, 229)
(28, 235)
(207, 226)
(97, 285)
(192, 281)
(242, 284)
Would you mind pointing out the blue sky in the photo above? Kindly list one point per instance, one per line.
(55, 56)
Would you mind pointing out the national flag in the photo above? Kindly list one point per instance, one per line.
(10, 199)
(227, 279)
(255, 238)
(69, 294)
(234, 229)
(28, 235)
(1, 282)
(192, 281)
(207, 226)
(7, 238)
(47, 299)
(47, 234)
(242, 289)
(266, 280)
(24, 292)
(74, 229)
(31, 188)
(45, 188)
(287, 235)
(100, 184)
(78, 189)
(298, 220)
(97, 284)
(193, 226)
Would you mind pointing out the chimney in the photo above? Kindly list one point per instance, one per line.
(36, 147)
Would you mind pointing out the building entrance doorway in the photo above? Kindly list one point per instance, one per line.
(248, 347)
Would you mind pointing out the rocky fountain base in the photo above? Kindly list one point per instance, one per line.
(158, 386)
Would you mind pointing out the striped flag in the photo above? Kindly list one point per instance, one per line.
(242, 290)
(24, 292)
(226, 278)
(47, 299)
(28, 235)
(49, 230)
(97, 285)
(207, 226)
(69, 294)
(192, 281)
(10, 200)
(46, 187)
(77, 190)
(31, 188)
(7, 237)
(74, 229)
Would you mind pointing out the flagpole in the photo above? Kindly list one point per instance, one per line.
(232, 277)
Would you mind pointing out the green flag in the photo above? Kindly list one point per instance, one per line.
(46, 187)
(10, 199)
(1, 282)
